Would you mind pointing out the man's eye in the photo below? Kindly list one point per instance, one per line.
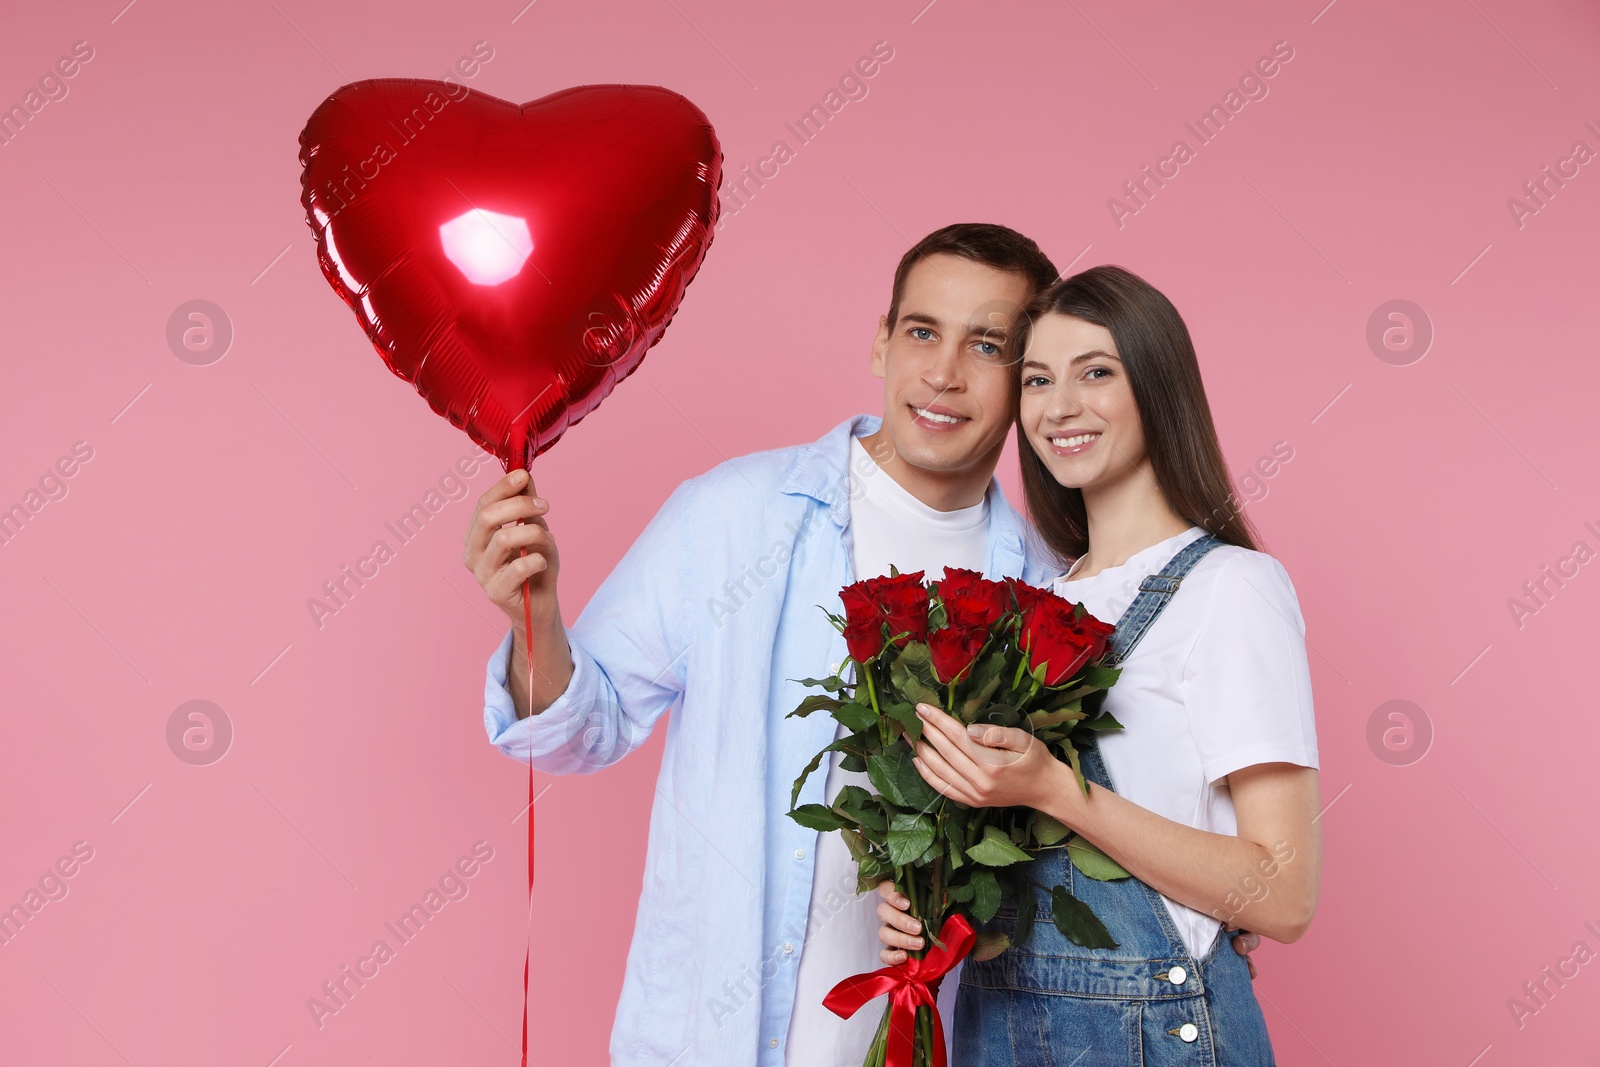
(988, 348)
(922, 333)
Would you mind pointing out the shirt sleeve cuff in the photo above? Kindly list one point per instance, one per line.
(547, 735)
(1220, 767)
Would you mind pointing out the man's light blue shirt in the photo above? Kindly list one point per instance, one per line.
(714, 612)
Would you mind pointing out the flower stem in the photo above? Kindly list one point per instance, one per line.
(872, 695)
(878, 1051)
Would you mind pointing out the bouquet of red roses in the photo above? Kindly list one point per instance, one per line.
(1004, 653)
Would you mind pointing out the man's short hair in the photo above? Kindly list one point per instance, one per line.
(994, 246)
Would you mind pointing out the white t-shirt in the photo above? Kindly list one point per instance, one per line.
(888, 526)
(1220, 682)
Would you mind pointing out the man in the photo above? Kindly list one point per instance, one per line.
(746, 918)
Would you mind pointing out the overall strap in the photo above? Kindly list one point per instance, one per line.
(1155, 592)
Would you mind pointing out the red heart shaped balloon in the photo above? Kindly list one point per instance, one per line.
(513, 262)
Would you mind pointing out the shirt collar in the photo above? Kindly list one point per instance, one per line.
(821, 470)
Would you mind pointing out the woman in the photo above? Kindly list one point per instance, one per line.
(1215, 802)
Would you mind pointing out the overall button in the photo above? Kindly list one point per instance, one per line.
(1177, 976)
(1188, 1032)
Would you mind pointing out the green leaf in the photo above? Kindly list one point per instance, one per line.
(1046, 830)
(814, 702)
(832, 685)
(989, 944)
(862, 807)
(1071, 752)
(1027, 905)
(1094, 863)
(909, 837)
(1060, 698)
(956, 832)
(871, 871)
(1040, 719)
(855, 717)
(893, 775)
(818, 817)
(816, 761)
(999, 715)
(1105, 721)
(959, 893)
(981, 685)
(853, 762)
(1099, 677)
(996, 849)
(932, 853)
(854, 798)
(906, 716)
(911, 674)
(1077, 922)
(985, 895)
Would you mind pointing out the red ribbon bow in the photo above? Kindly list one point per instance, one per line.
(910, 985)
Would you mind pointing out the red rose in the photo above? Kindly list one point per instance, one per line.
(859, 608)
(863, 622)
(1096, 633)
(970, 599)
(1026, 595)
(903, 599)
(955, 649)
(1052, 636)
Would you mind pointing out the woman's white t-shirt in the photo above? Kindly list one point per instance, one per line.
(1220, 682)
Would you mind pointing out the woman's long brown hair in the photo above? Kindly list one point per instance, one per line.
(1179, 437)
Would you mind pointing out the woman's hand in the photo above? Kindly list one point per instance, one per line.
(899, 930)
(984, 766)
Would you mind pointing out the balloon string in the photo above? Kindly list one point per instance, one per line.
(527, 618)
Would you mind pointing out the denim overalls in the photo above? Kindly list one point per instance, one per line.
(1147, 1003)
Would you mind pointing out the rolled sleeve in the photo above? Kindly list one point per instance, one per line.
(627, 648)
(580, 732)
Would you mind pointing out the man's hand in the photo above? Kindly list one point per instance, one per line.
(494, 549)
(508, 522)
(1244, 944)
(899, 930)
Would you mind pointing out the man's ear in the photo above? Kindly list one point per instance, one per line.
(880, 347)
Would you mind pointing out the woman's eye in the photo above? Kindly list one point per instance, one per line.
(1096, 372)
(1035, 379)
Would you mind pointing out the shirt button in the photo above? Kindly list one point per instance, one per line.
(799, 853)
(837, 667)
(1177, 976)
(774, 1043)
(788, 949)
(1189, 1032)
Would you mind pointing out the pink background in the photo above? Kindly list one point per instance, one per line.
(1419, 498)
